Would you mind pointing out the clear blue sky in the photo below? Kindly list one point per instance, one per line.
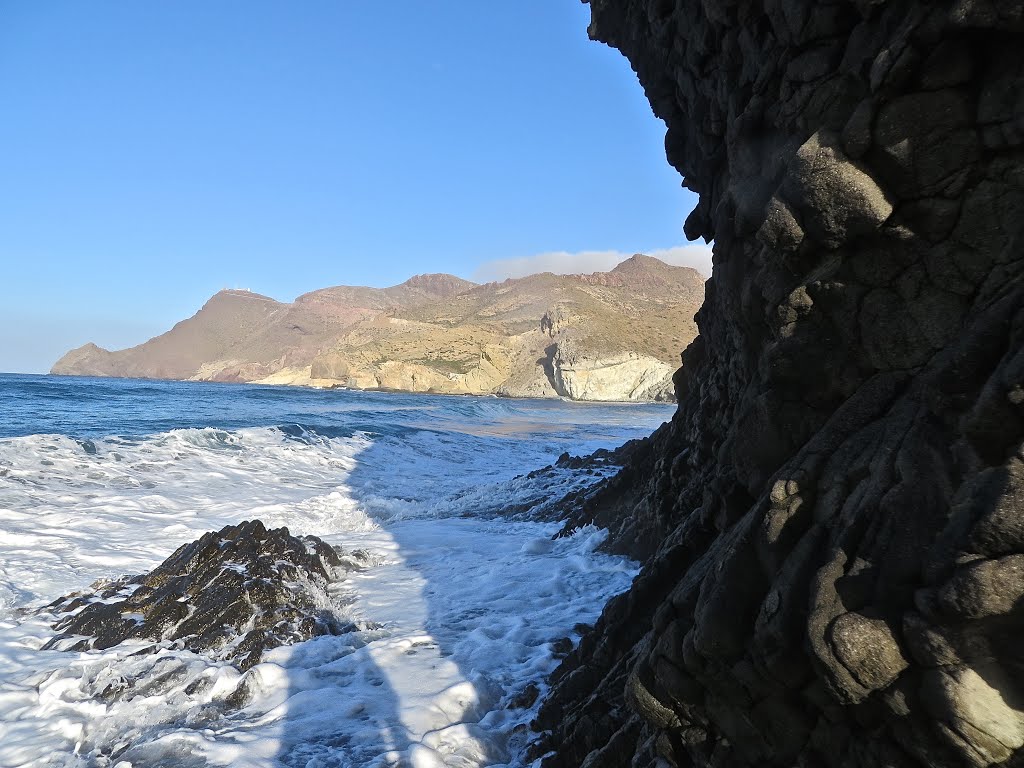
(154, 152)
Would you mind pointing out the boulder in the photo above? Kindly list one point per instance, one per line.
(235, 593)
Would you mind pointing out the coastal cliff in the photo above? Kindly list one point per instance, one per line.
(833, 521)
(604, 336)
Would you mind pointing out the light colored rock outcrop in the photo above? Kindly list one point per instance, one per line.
(626, 376)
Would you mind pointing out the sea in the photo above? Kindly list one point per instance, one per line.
(463, 612)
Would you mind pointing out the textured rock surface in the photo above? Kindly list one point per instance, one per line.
(834, 519)
(236, 592)
(626, 376)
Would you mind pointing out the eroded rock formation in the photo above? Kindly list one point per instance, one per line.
(835, 515)
(234, 593)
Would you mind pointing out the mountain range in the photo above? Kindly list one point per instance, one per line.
(603, 336)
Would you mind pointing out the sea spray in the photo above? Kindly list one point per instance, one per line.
(460, 606)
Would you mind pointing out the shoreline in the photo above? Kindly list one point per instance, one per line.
(340, 387)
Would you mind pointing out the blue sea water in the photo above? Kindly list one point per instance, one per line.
(83, 407)
(462, 608)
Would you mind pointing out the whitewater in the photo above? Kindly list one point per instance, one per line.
(465, 603)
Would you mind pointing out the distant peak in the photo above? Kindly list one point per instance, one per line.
(89, 348)
(238, 293)
(439, 283)
(639, 261)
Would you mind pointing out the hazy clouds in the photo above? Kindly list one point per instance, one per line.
(583, 262)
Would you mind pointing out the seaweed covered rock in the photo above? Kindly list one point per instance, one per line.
(832, 522)
(235, 592)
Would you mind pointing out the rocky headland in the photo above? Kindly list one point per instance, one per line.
(833, 521)
(605, 336)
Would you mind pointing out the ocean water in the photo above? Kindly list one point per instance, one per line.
(462, 609)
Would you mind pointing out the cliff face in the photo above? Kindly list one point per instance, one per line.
(625, 376)
(834, 518)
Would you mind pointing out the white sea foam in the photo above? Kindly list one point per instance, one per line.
(462, 607)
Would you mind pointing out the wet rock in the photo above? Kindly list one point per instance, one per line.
(526, 698)
(236, 592)
(832, 523)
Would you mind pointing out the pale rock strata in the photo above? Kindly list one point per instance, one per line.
(626, 376)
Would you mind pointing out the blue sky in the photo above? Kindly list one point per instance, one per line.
(153, 153)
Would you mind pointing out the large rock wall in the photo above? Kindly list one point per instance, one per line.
(835, 515)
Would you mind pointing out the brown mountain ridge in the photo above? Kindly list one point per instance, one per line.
(601, 336)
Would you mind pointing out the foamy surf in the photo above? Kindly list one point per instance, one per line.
(463, 611)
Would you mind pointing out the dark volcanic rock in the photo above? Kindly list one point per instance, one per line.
(834, 518)
(237, 592)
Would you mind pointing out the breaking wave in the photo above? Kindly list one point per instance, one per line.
(464, 609)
